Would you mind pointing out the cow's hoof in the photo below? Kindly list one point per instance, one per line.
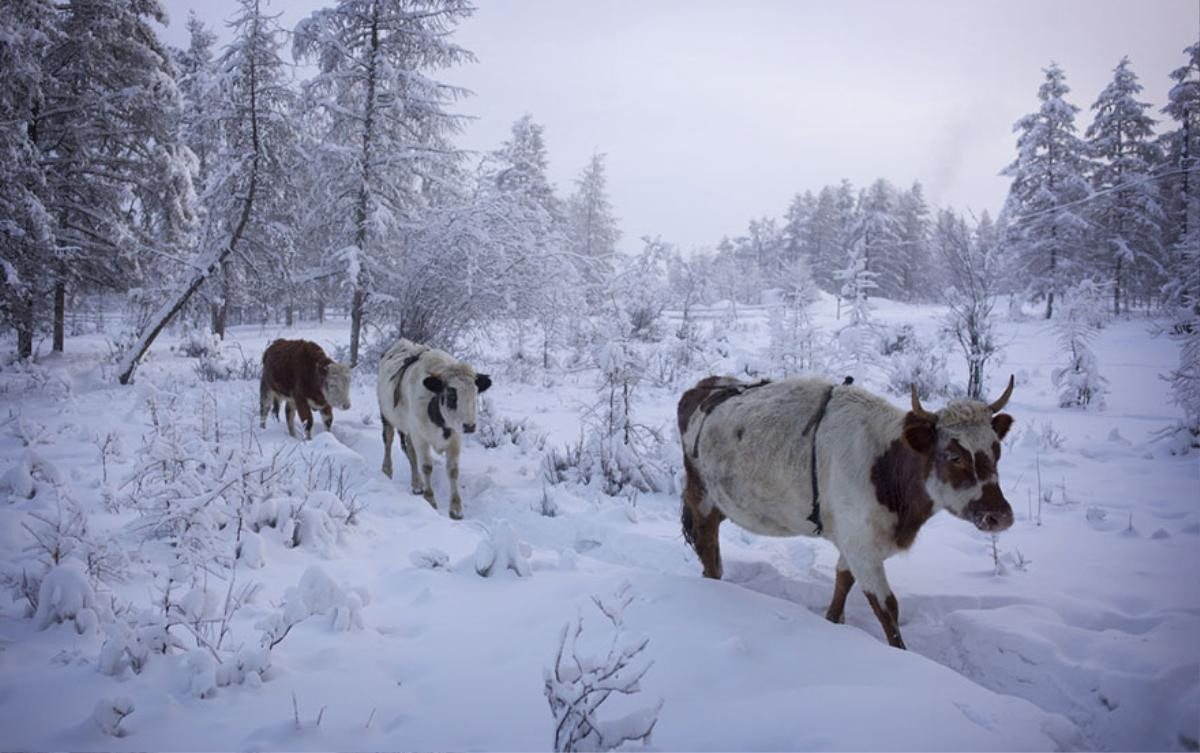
(418, 491)
(386, 471)
(455, 514)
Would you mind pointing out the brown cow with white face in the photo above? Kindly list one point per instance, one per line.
(803, 457)
(298, 373)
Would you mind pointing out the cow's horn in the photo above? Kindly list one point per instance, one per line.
(916, 406)
(1003, 400)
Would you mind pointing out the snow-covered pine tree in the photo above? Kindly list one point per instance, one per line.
(796, 226)
(858, 340)
(266, 259)
(26, 227)
(592, 230)
(118, 176)
(1181, 191)
(388, 122)
(877, 226)
(971, 266)
(792, 335)
(1047, 223)
(823, 241)
(199, 126)
(521, 177)
(1125, 213)
(1079, 382)
(915, 277)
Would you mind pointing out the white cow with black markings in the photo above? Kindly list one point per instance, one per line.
(429, 397)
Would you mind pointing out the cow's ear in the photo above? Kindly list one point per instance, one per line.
(919, 433)
(482, 382)
(434, 384)
(1001, 423)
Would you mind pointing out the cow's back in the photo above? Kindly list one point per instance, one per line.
(290, 368)
(751, 453)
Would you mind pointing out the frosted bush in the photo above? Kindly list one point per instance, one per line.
(429, 559)
(918, 362)
(202, 673)
(65, 595)
(316, 595)
(110, 712)
(502, 551)
(250, 550)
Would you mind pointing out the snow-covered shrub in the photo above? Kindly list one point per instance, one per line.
(196, 343)
(919, 362)
(430, 559)
(66, 595)
(498, 431)
(225, 364)
(578, 684)
(1079, 381)
(502, 551)
(622, 451)
(316, 595)
(110, 712)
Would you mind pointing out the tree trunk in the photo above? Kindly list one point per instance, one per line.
(222, 313)
(360, 234)
(60, 313)
(356, 312)
(1117, 290)
(24, 323)
(288, 314)
(321, 310)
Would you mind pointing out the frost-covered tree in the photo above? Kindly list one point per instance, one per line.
(1047, 223)
(912, 271)
(592, 230)
(265, 262)
(971, 264)
(200, 129)
(792, 344)
(1125, 213)
(1181, 191)
(858, 340)
(1079, 382)
(878, 232)
(118, 176)
(388, 123)
(796, 228)
(822, 238)
(26, 226)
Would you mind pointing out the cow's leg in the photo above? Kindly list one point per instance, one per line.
(264, 404)
(421, 450)
(389, 434)
(306, 417)
(868, 570)
(701, 529)
(452, 452)
(289, 410)
(327, 417)
(414, 473)
(845, 581)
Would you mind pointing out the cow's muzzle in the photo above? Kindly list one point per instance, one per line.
(468, 428)
(990, 513)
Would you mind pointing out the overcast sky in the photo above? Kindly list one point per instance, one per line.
(712, 113)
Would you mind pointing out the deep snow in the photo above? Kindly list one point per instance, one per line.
(1085, 638)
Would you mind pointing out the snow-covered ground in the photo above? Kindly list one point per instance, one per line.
(1084, 637)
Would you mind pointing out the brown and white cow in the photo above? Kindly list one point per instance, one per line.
(298, 373)
(881, 472)
(427, 396)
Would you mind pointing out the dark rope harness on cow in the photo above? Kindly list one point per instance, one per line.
(813, 424)
(720, 393)
(434, 410)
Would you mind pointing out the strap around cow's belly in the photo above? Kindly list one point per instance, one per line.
(399, 377)
(814, 423)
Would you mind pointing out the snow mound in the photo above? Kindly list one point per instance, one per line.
(502, 552)
(65, 594)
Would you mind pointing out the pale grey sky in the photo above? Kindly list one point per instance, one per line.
(712, 113)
